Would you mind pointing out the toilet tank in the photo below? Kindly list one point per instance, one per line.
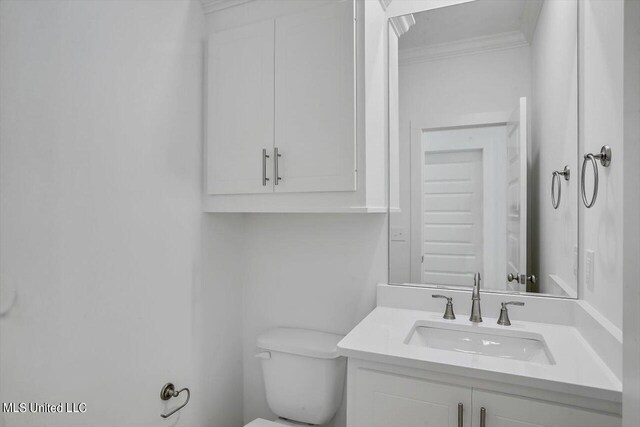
(303, 374)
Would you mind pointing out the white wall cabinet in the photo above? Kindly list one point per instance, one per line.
(293, 86)
(240, 108)
(381, 395)
(315, 100)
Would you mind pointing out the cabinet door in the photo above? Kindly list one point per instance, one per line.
(315, 99)
(392, 400)
(240, 106)
(510, 411)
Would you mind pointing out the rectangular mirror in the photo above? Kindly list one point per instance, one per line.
(483, 105)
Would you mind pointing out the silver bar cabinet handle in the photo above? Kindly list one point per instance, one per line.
(265, 156)
(460, 415)
(276, 158)
(483, 417)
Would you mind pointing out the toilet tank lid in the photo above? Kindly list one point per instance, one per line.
(305, 342)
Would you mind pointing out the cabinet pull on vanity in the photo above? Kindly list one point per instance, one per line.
(483, 417)
(265, 156)
(460, 415)
(276, 160)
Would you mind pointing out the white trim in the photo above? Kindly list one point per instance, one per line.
(446, 121)
(212, 6)
(385, 3)
(209, 205)
(493, 171)
(473, 46)
(401, 24)
(438, 122)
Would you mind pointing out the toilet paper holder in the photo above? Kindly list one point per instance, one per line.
(168, 391)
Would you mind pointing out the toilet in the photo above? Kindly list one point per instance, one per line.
(303, 376)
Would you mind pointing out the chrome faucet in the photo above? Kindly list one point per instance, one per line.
(504, 313)
(448, 312)
(476, 316)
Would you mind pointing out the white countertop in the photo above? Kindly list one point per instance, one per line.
(578, 369)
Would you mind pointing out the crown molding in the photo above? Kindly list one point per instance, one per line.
(385, 3)
(401, 24)
(212, 6)
(473, 46)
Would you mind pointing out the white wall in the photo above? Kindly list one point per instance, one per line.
(631, 304)
(308, 271)
(449, 89)
(101, 222)
(553, 233)
(601, 120)
(217, 314)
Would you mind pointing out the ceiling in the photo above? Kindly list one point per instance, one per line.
(476, 19)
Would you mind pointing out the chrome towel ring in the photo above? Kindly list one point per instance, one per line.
(605, 160)
(555, 176)
(168, 391)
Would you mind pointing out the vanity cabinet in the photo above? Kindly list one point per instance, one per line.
(505, 411)
(285, 110)
(381, 395)
(385, 399)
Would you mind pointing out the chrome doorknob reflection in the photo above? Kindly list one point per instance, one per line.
(521, 278)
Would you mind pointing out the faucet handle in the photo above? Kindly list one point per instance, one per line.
(512, 303)
(448, 312)
(504, 313)
(475, 294)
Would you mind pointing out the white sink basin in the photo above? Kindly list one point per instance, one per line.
(485, 341)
